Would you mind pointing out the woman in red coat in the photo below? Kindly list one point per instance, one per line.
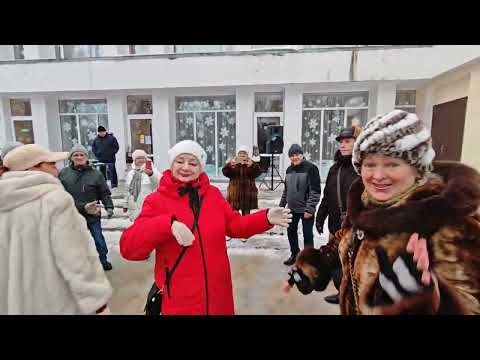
(186, 221)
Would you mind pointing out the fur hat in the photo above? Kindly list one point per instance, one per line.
(188, 147)
(295, 149)
(139, 153)
(398, 134)
(77, 148)
(27, 156)
(244, 148)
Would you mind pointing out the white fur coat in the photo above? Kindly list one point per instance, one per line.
(48, 261)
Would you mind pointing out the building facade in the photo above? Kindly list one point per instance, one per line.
(224, 96)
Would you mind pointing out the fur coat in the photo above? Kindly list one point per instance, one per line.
(242, 193)
(445, 212)
(48, 263)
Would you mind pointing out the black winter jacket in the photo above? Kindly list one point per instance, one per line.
(105, 148)
(329, 205)
(86, 185)
(302, 188)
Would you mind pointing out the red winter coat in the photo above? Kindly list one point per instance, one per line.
(189, 293)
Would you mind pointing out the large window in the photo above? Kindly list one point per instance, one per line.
(81, 51)
(209, 120)
(22, 121)
(182, 49)
(18, 52)
(79, 120)
(406, 100)
(322, 118)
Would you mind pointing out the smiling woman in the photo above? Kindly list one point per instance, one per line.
(188, 216)
(410, 243)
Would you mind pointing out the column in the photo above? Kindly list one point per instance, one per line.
(385, 101)
(245, 107)
(162, 125)
(39, 119)
(5, 134)
(472, 123)
(292, 131)
(117, 108)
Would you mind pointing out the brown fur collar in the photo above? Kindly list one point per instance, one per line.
(446, 200)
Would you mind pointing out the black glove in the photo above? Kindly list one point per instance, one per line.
(319, 227)
(400, 279)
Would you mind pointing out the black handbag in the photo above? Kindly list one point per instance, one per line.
(154, 301)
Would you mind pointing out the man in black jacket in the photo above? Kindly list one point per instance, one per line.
(105, 146)
(301, 194)
(87, 186)
(334, 202)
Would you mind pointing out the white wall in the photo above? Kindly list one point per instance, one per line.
(304, 68)
(245, 108)
(385, 99)
(292, 129)
(6, 52)
(40, 120)
(161, 127)
(53, 123)
(116, 122)
(3, 123)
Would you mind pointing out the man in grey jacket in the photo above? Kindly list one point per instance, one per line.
(301, 194)
(87, 186)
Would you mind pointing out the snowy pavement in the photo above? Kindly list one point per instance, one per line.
(257, 269)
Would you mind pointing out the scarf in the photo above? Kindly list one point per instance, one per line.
(136, 183)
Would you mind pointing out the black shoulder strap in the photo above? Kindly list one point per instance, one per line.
(339, 195)
(196, 214)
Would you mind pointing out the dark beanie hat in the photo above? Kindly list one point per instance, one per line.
(101, 128)
(295, 149)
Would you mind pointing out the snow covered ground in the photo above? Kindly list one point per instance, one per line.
(257, 269)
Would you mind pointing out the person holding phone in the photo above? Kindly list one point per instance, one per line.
(141, 181)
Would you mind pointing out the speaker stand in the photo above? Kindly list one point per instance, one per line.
(274, 168)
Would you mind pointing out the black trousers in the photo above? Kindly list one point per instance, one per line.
(110, 170)
(292, 232)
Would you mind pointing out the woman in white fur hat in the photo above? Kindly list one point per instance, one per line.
(186, 222)
(48, 263)
(410, 243)
(141, 181)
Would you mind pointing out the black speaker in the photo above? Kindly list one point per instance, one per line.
(274, 139)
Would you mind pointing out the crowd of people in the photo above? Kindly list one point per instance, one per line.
(404, 230)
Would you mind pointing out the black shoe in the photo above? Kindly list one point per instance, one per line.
(290, 261)
(107, 266)
(332, 299)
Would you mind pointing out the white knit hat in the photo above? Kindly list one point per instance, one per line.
(27, 156)
(139, 153)
(398, 134)
(244, 148)
(188, 147)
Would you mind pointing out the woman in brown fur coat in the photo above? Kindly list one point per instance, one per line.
(242, 193)
(411, 241)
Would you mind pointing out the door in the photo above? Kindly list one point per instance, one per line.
(24, 131)
(141, 131)
(262, 121)
(448, 123)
